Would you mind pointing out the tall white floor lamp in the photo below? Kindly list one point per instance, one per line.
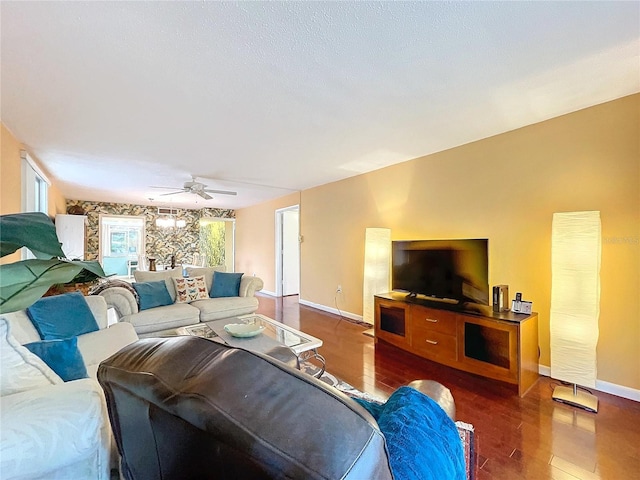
(575, 305)
(377, 266)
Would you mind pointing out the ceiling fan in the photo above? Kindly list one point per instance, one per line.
(197, 188)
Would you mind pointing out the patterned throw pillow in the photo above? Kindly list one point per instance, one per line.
(190, 289)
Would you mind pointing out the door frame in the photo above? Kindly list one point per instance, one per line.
(279, 246)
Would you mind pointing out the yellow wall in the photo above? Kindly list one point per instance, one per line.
(10, 173)
(256, 241)
(504, 188)
(11, 183)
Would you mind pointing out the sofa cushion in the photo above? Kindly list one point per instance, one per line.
(62, 356)
(225, 284)
(166, 275)
(163, 318)
(152, 294)
(21, 370)
(96, 346)
(207, 272)
(190, 289)
(225, 307)
(62, 316)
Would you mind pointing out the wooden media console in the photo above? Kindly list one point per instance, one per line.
(502, 346)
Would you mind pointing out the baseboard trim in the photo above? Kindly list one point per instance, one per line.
(267, 292)
(602, 386)
(335, 311)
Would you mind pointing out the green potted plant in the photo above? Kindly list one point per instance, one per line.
(23, 282)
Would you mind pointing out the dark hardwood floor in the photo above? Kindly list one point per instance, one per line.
(517, 438)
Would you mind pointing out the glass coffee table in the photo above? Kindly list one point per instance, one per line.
(275, 333)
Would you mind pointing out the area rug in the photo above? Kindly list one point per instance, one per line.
(465, 430)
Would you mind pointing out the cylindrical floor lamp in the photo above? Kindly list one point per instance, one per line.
(377, 266)
(575, 305)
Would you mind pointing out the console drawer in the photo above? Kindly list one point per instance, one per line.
(424, 318)
(436, 345)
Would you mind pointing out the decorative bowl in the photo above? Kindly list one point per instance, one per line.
(243, 329)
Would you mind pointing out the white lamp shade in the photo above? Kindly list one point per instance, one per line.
(575, 296)
(377, 268)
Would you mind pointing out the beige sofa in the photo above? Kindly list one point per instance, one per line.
(53, 429)
(157, 320)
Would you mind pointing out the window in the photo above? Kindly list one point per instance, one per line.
(122, 241)
(35, 186)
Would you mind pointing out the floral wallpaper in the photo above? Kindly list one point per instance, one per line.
(160, 243)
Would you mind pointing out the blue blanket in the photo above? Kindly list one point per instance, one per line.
(422, 441)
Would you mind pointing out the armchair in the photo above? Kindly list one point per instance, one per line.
(187, 407)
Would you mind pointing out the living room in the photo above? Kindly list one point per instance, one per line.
(504, 187)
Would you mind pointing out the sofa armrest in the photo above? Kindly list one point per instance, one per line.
(120, 299)
(250, 285)
(49, 428)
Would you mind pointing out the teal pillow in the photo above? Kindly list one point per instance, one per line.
(62, 356)
(225, 284)
(62, 316)
(152, 294)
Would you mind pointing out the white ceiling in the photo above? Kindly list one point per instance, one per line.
(267, 98)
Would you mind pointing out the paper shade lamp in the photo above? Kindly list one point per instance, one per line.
(377, 268)
(575, 305)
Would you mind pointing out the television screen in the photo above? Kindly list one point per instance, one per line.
(451, 270)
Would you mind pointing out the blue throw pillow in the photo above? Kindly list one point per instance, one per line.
(152, 294)
(62, 356)
(62, 316)
(225, 284)
(422, 441)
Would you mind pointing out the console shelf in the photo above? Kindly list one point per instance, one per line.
(502, 346)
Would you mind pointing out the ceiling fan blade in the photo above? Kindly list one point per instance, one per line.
(220, 192)
(166, 188)
(171, 193)
(204, 195)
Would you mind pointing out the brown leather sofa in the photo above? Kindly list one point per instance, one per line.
(187, 407)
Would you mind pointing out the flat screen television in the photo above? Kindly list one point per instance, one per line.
(453, 271)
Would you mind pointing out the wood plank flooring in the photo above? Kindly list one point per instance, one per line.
(518, 438)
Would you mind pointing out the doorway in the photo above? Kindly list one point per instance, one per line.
(217, 242)
(288, 251)
(122, 243)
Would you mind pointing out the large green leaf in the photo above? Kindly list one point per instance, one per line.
(23, 283)
(33, 230)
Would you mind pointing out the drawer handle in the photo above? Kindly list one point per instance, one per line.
(432, 320)
(432, 342)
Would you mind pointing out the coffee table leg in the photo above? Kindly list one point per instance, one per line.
(313, 355)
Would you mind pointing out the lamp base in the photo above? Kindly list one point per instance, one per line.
(577, 398)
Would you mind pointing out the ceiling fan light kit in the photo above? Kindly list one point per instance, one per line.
(196, 188)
